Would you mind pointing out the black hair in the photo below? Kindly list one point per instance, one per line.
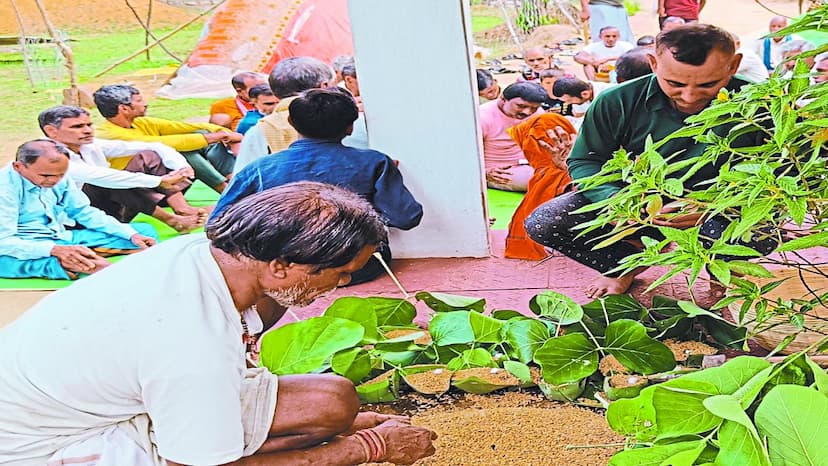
(692, 43)
(109, 98)
(323, 113)
(569, 86)
(526, 90)
(54, 116)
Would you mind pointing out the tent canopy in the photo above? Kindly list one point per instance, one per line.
(253, 36)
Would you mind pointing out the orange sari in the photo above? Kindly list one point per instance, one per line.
(548, 181)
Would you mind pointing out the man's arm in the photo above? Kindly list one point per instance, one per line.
(10, 243)
(701, 4)
(106, 177)
(171, 158)
(585, 13)
(253, 146)
(661, 9)
(78, 208)
(585, 58)
(393, 200)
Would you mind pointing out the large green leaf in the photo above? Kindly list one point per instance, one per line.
(627, 340)
(728, 377)
(304, 346)
(730, 408)
(613, 307)
(519, 370)
(381, 389)
(442, 302)
(525, 336)
(635, 417)
(655, 455)
(795, 421)
(737, 445)
(567, 359)
(359, 310)
(451, 328)
(680, 408)
(560, 308)
(486, 329)
(353, 364)
(393, 311)
(477, 357)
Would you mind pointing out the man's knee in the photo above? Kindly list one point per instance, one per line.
(221, 119)
(322, 405)
(144, 161)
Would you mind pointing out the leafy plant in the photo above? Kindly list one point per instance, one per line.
(374, 342)
(745, 412)
(773, 190)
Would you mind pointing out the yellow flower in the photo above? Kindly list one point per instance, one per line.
(722, 96)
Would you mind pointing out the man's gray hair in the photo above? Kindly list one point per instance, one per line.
(108, 98)
(296, 74)
(796, 45)
(54, 116)
(349, 70)
(30, 151)
(340, 61)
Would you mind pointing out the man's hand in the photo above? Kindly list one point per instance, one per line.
(584, 10)
(498, 175)
(405, 443)
(75, 258)
(558, 147)
(142, 241)
(171, 179)
(224, 137)
(681, 222)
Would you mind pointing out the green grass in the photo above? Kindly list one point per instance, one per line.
(93, 52)
(482, 23)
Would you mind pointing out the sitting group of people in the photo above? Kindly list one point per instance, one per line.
(70, 198)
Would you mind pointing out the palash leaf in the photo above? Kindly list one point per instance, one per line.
(486, 329)
(442, 302)
(519, 370)
(381, 389)
(477, 385)
(627, 340)
(353, 364)
(304, 346)
(477, 357)
(739, 444)
(359, 310)
(507, 314)
(655, 455)
(556, 306)
(730, 408)
(680, 410)
(609, 308)
(525, 336)
(567, 359)
(634, 417)
(393, 311)
(795, 420)
(451, 328)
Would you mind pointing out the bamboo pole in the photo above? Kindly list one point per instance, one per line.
(158, 41)
(148, 32)
(23, 48)
(71, 96)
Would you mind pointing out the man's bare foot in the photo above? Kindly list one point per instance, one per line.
(609, 285)
(190, 211)
(186, 224)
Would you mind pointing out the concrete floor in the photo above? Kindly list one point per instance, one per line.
(504, 283)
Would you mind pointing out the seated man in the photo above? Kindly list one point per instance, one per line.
(537, 60)
(150, 360)
(323, 118)
(599, 58)
(147, 182)
(487, 86)
(690, 66)
(579, 94)
(769, 49)
(229, 112)
(504, 161)
(546, 79)
(289, 78)
(264, 102)
(37, 203)
(208, 148)
(634, 63)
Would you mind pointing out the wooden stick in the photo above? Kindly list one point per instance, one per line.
(148, 31)
(73, 96)
(23, 48)
(158, 41)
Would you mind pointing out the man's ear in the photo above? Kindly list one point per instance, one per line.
(350, 130)
(653, 62)
(734, 64)
(50, 131)
(278, 268)
(17, 165)
(290, 122)
(586, 94)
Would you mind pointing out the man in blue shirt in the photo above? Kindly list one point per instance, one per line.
(37, 203)
(323, 117)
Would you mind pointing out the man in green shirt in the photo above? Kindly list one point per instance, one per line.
(691, 64)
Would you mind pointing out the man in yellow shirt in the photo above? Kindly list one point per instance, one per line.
(210, 149)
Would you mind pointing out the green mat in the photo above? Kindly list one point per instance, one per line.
(198, 195)
(501, 206)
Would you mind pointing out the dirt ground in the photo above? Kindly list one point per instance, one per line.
(86, 15)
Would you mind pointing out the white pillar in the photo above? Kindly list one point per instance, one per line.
(416, 78)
